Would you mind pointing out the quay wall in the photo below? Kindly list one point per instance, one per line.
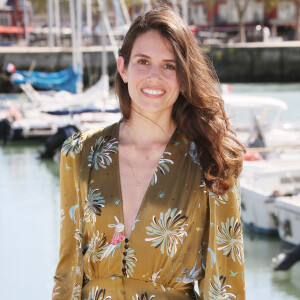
(250, 62)
(257, 62)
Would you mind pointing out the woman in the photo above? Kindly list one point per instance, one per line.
(150, 204)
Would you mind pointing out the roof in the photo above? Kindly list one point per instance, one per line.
(14, 29)
(246, 101)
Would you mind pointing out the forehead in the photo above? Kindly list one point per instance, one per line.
(152, 43)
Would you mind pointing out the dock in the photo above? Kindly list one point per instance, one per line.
(247, 62)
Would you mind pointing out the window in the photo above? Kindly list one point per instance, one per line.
(5, 19)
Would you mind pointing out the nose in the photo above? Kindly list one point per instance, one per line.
(154, 72)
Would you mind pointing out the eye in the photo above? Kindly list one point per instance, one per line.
(142, 61)
(170, 67)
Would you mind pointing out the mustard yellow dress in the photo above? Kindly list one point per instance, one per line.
(183, 233)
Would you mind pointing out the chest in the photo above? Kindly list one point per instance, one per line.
(138, 190)
(136, 172)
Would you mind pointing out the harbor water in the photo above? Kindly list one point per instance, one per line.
(29, 221)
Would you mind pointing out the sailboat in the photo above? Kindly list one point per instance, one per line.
(95, 107)
(64, 80)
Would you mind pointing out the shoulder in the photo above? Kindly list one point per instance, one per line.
(91, 136)
(81, 141)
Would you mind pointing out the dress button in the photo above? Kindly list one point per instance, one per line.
(126, 240)
(126, 246)
(124, 261)
(124, 253)
(124, 271)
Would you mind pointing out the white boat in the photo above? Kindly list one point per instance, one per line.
(43, 114)
(261, 182)
(287, 210)
(96, 96)
(36, 124)
(256, 121)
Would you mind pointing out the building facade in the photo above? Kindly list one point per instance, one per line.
(223, 16)
(12, 23)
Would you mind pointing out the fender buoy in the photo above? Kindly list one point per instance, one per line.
(252, 156)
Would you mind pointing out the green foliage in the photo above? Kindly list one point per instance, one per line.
(270, 4)
(39, 6)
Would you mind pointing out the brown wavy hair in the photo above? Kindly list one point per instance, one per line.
(199, 109)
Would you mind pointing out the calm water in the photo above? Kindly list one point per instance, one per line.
(29, 222)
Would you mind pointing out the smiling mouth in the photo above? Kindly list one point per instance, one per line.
(153, 92)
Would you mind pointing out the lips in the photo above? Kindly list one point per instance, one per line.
(153, 92)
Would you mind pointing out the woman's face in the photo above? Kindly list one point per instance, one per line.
(151, 74)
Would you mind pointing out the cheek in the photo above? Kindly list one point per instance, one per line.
(171, 77)
(137, 72)
(174, 82)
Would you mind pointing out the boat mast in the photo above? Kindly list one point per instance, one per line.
(57, 22)
(75, 14)
(185, 12)
(106, 28)
(26, 21)
(79, 86)
(89, 20)
(104, 59)
(175, 6)
(125, 12)
(50, 23)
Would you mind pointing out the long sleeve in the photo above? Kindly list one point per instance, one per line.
(223, 249)
(68, 275)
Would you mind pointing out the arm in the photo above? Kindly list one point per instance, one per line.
(223, 249)
(68, 275)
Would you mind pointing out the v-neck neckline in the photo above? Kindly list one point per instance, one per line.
(149, 185)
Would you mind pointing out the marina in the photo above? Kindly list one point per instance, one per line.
(29, 219)
(75, 73)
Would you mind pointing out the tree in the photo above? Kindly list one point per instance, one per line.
(39, 6)
(241, 6)
(271, 4)
(211, 5)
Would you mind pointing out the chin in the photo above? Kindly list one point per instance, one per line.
(152, 108)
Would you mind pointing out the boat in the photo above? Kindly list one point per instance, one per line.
(287, 211)
(272, 162)
(64, 80)
(257, 121)
(43, 120)
(44, 114)
(284, 261)
(261, 183)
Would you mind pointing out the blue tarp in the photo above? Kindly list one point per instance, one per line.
(64, 80)
(80, 111)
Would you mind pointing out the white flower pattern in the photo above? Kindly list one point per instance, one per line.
(230, 236)
(218, 289)
(169, 230)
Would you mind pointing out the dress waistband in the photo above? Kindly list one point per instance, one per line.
(123, 288)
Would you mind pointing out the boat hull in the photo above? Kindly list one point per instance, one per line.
(287, 210)
(258, 211)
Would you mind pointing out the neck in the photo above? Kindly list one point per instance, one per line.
(140, 131)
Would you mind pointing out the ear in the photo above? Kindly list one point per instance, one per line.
(122, 69)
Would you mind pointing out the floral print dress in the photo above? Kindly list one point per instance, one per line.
(183, 233)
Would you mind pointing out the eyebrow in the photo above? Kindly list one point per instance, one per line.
(146, 56)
